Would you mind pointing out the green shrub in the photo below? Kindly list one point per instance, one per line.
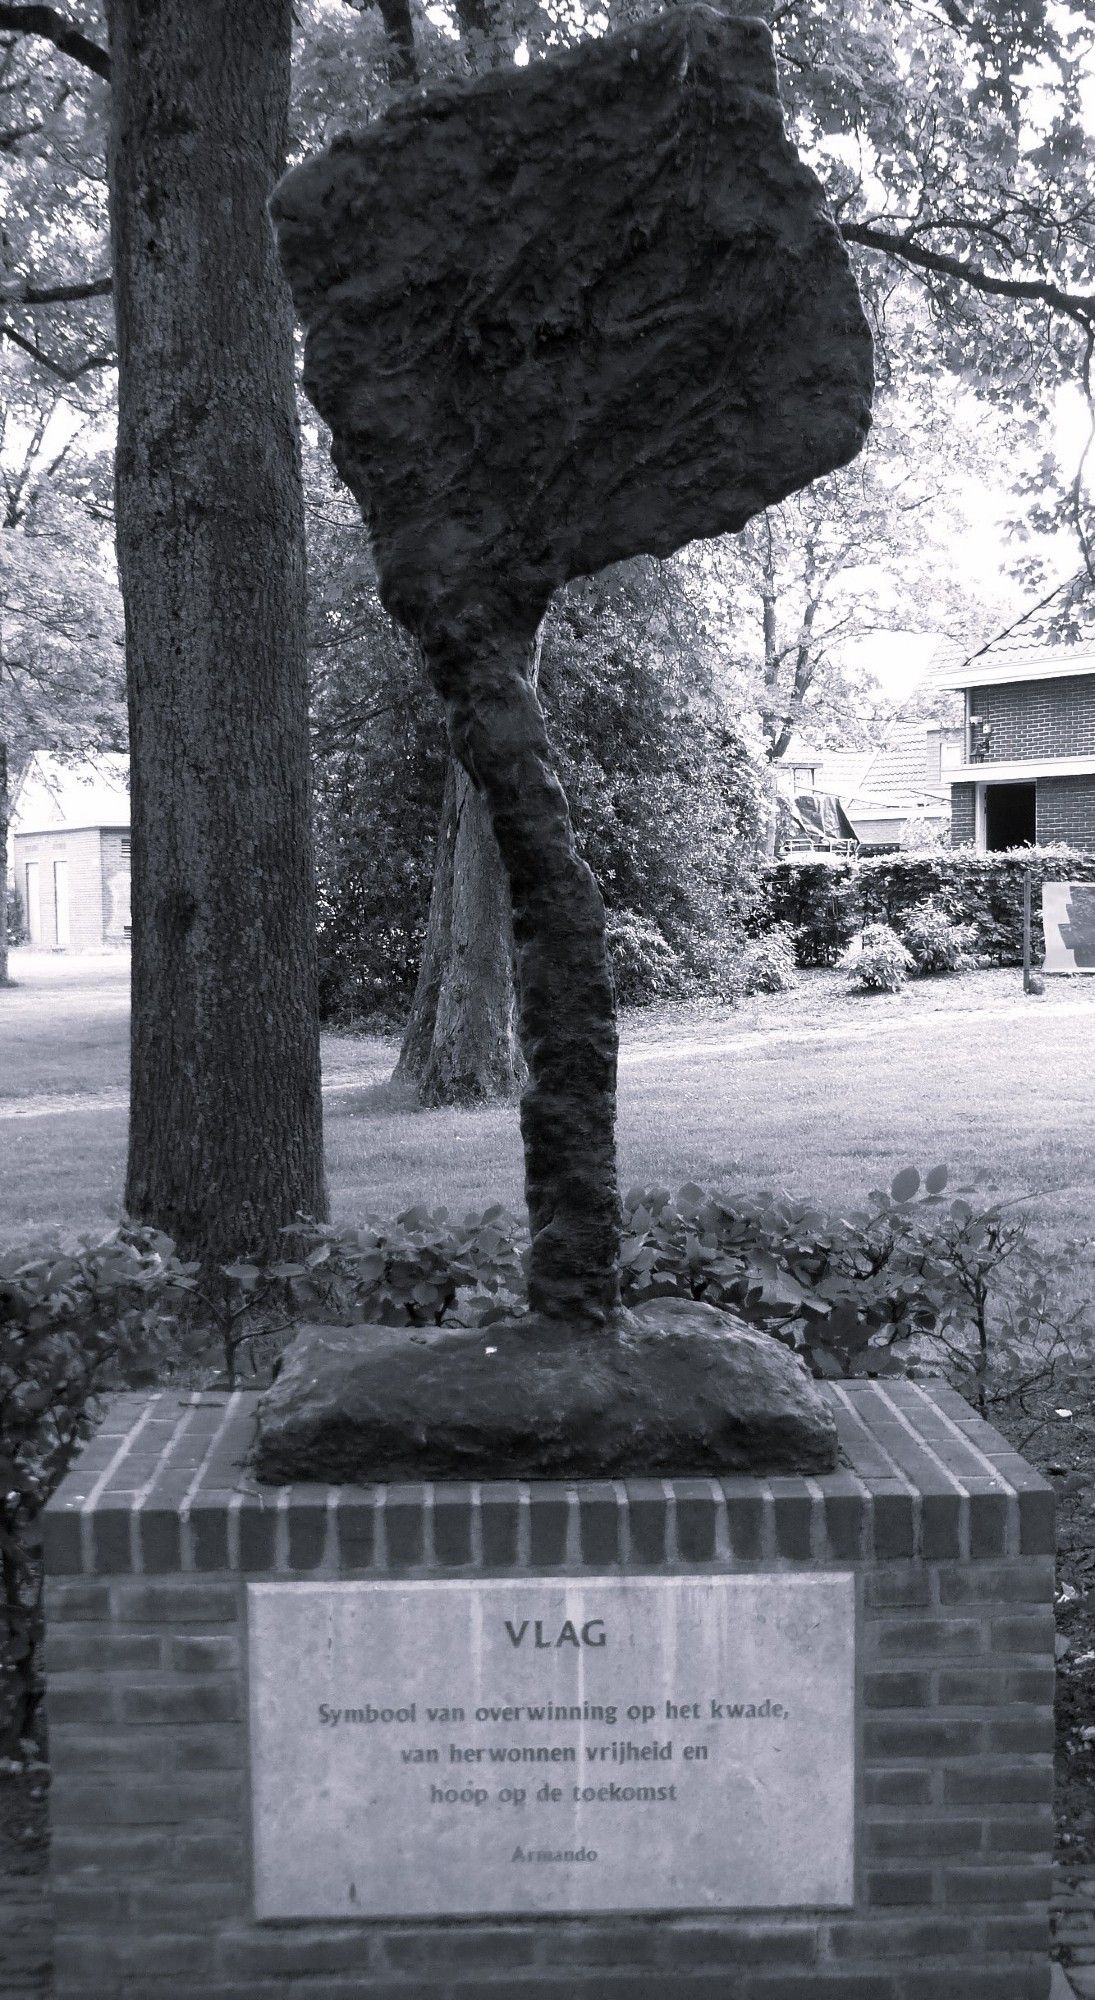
(700, 963)
(427, 1268)
(644, 964)
(769, 962)
(872, 1291)
(879, 963)
(817, 900)
(828, 902)
(73, 1322)
(856, 1293)
(709, 959)
(935, 944)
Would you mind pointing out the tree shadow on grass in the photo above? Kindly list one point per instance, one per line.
(390, 1096)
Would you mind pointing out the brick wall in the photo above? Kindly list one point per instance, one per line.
(963, 816)
(948, 1532)
(1053, 718)
(80, 850)
(1066, 811)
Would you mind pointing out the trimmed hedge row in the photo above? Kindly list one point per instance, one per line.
(828, 902)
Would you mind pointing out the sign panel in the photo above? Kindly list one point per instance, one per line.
(538, 1745)
(1068, 915)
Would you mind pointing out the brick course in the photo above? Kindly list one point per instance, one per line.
(963, 816)
(147, 1698)
(1065, 810)
(1036, 720)
(1040, 718)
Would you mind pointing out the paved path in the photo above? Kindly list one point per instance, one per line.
(62, 1105)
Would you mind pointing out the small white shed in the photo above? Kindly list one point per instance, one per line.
(68, 851)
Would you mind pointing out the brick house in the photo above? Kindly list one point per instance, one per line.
(1028, 767)
(68, 851)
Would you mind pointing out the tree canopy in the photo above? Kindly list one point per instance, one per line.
(951, 139)
(954, 140)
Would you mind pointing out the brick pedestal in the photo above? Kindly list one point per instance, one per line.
(950, 1536)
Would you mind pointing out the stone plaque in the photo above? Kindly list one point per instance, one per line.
(539, 1744)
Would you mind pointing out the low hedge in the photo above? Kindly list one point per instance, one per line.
(75, 1320)
(913, 1277)
(828, 902)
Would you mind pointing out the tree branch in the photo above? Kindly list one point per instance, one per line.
(66, 374)
(64, 34)
(58, 295)
(1079, 306)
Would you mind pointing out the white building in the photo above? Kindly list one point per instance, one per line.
(68, 851)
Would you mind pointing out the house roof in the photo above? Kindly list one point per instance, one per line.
(800, 751)
(1016, 658)
(55, 797)
(899, 769)
(892, 777)
(843, 771)
(838, 771)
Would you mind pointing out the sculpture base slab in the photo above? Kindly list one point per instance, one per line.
(671, 1387)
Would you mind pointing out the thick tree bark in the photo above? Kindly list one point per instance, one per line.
(484, 675)
(225, 1124)
(460, 1046)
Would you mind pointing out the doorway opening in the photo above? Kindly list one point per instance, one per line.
(1010, 816)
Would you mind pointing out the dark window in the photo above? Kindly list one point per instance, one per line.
(1009, 816)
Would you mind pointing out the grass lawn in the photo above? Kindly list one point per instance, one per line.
(821, 1091)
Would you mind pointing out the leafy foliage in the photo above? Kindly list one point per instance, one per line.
(828, 902)
(13, 915)
(915, 1280)
(663, 787)
(856, 554)
(909, 1281)
(663, 783)
(818, 901)
(73, 1322)
(934, 943)
(378, 762)
(880, 962)
(769, 962)
(62, 673)
(644, 965)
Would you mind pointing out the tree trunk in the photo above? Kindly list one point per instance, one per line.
(4, 862)
(461, 1046)
(225, 1142)
(484, 674)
